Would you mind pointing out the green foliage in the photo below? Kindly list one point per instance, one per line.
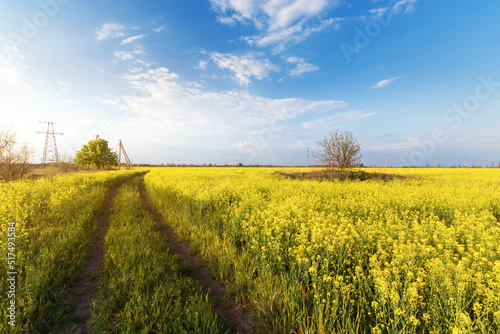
(96, 153)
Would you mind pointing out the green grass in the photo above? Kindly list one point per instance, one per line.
(143, 287)
(55, 218)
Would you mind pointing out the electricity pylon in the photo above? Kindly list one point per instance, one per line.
(50, 153)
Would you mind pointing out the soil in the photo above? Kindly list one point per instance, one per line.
(238, 316)
(85, 287)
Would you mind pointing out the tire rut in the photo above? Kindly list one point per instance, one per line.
(85, 287)
(239, 316)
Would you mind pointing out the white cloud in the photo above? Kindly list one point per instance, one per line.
(302, 66)
(410, 142)
(280, 22)
(245, 144)
(124, 55)
(185, 109)
(244, 67)
(283, 13)
(110, 30)
(384, 83)
(202, 65)
(131, 39)
(133, 57)
(161, 28)
(405, 6)
(12, 69)
(297, 145)
(378, 11)
(326, 122)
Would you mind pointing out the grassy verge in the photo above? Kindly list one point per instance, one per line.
(143, 289)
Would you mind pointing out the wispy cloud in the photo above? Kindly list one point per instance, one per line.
(12, 69)
(161, 28)
(329, 121)
(245, 144)
(384, 83)
(63, 85)
(134, 57)
(244, 67)
(202, 65)
(188, 109)
(110, 30)
(301, 66)
(410, 142)
(131, 39)
(297, 145)
(378, 11)
(280, 22)
(404, 6)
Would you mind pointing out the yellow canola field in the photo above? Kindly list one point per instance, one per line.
(406, 256)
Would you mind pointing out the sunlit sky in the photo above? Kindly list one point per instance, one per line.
(256, 82)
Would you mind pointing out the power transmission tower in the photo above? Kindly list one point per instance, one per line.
(127, 160)
(50, 153)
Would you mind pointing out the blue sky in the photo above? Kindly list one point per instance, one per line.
(256, 82)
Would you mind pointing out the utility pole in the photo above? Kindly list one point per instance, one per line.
(127, 160)
(465, 163)
(386, 160)
(307, 158)
(50, 148)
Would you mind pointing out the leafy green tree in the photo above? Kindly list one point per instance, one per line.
(339, 150)
(96, 153)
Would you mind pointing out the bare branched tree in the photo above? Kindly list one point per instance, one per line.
(14, 159)
(66, 164)
(338, 150)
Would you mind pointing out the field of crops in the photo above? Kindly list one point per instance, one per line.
(413, 255)
(416, 255)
